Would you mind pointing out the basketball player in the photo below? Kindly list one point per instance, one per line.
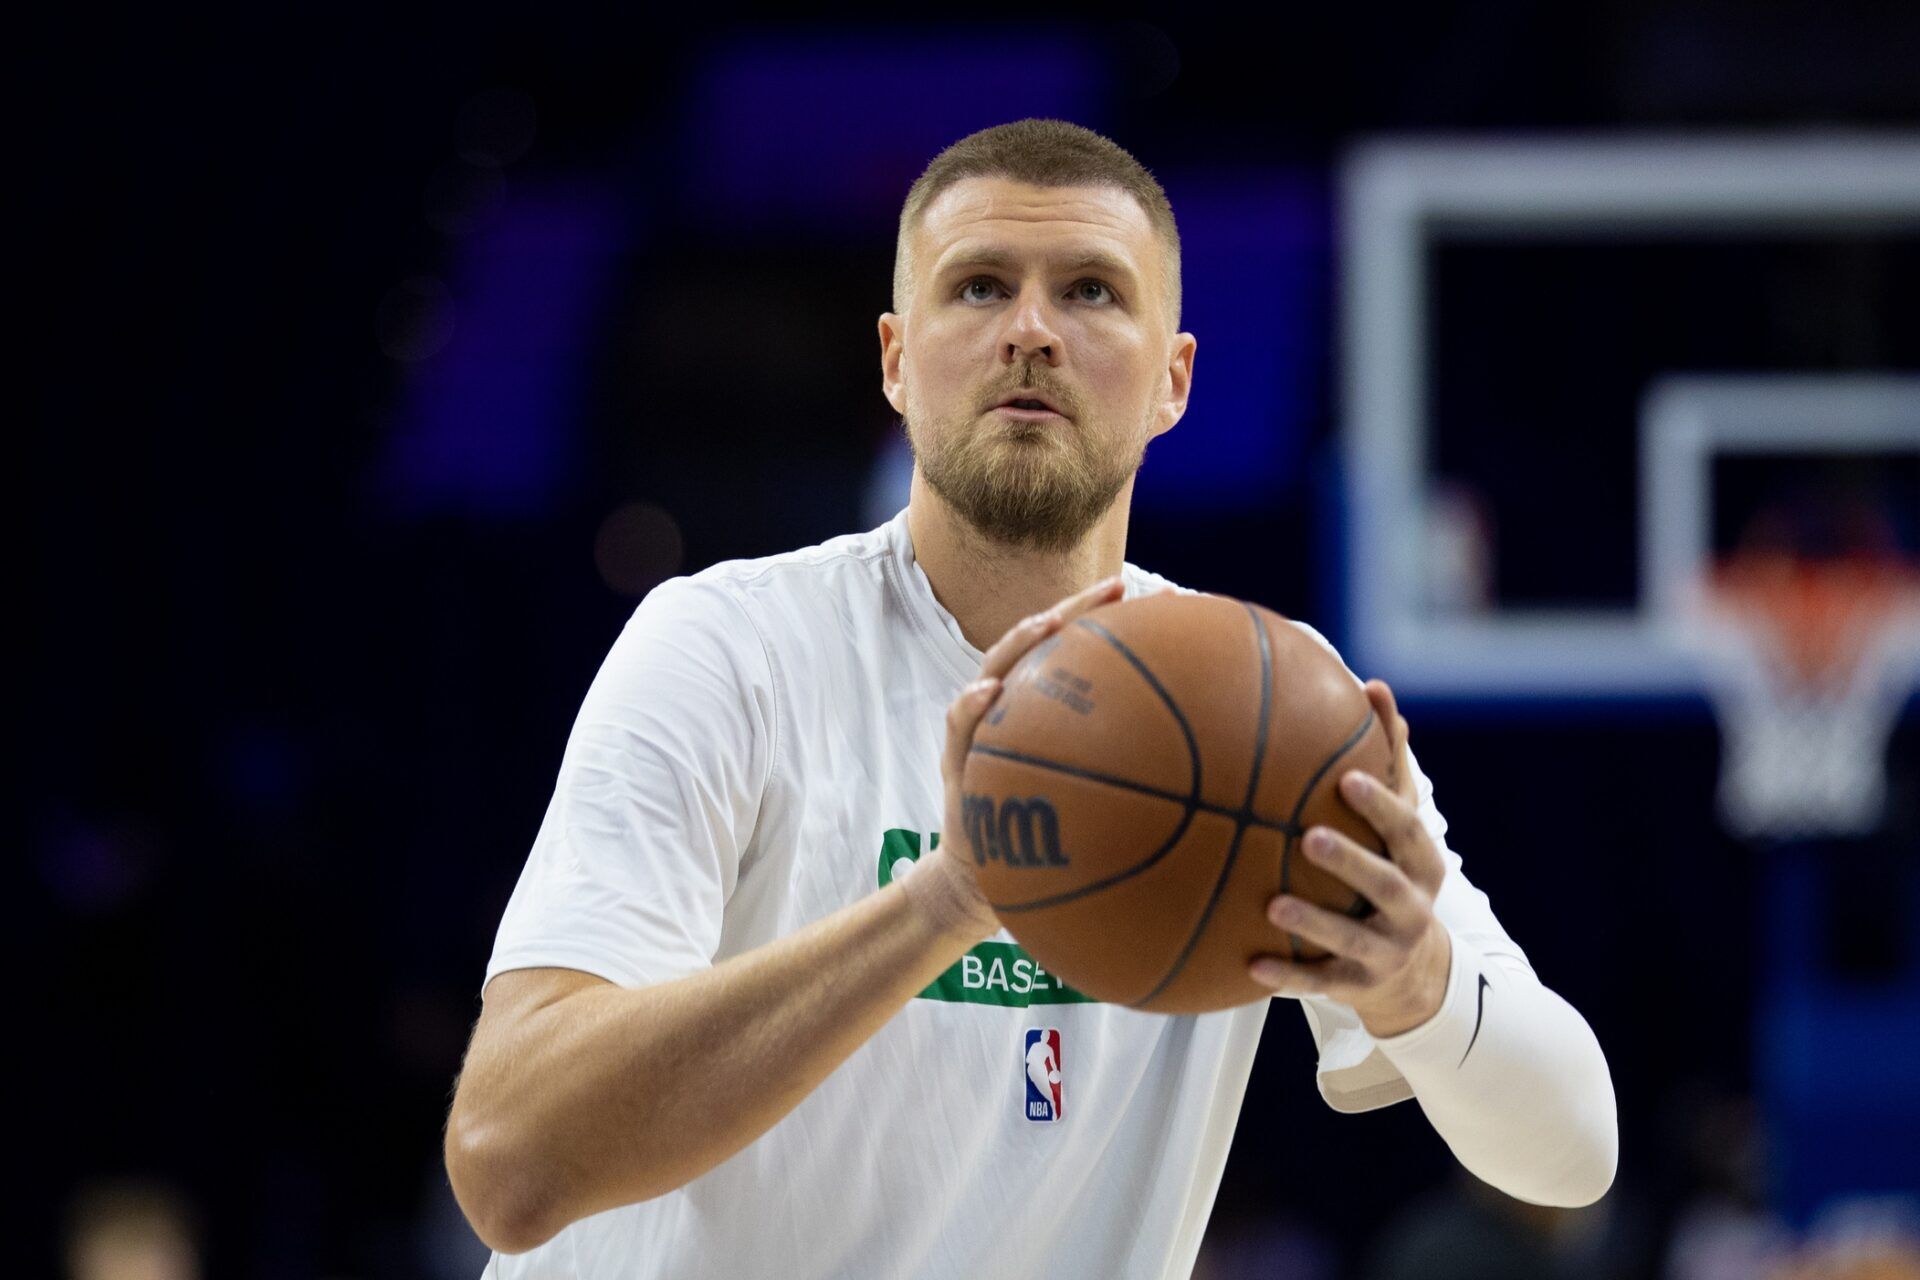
(748, 1015)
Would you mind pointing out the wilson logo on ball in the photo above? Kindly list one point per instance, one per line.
(1019, 832)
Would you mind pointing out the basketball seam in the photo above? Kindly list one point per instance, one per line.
(1138, 788)
(1089, 775)
(1306, 794)
(1191, 800)
(1240, 828)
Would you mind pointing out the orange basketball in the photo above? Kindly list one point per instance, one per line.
(1138, 791)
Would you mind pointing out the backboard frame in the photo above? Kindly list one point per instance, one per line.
(1393, 191)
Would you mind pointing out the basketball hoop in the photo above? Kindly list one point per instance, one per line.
(1809, 660)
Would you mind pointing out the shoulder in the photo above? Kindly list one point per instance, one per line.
(729, 592)
(847, 551)
(806, 577)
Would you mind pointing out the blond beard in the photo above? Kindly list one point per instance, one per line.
(1032, 486)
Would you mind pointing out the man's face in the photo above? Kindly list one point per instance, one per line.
(1044, 293)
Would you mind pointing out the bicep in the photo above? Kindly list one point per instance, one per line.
(656, 801)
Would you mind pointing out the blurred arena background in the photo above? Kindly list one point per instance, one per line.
(390, 357)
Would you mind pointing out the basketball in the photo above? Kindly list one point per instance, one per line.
(1138, 792)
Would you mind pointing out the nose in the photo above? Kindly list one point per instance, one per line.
(1030, 333)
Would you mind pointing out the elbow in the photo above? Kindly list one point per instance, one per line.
(1589, 1125)
(1585, 1174)
(1598, 1150)
(1560, 1159)
(1573, 1188)
(509, 1206)
(1593, 1176)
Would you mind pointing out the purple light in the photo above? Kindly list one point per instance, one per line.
(489, 424)
(1254, 279)
(829, 130)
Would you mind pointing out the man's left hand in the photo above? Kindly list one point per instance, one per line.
(1391, 967)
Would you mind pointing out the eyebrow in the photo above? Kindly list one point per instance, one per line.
(1000, 260)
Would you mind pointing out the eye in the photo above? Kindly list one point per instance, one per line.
(966, 290)
(1105, 294)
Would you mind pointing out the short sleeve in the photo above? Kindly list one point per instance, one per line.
(656, 801)
(1353, 1074)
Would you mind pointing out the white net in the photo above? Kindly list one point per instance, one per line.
(1808, 685)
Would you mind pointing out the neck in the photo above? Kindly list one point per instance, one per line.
(987, 586)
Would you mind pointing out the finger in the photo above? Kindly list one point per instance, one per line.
(1034, 628)
(1368, 874)
(1380, 694)
(1339, 934)
(1399, 771)
(1403, 782)
(963, 717)
(1339, 978)
(1398, 822)
(1020, 638)
(1105, 591)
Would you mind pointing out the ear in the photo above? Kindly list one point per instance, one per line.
(1179, 384)
(893, 335)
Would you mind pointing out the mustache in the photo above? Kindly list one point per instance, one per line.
(1054, 394)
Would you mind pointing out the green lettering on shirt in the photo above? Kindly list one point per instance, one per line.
(999, 973)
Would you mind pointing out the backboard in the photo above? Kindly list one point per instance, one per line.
(1556, 355)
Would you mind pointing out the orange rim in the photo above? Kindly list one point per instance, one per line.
(1822, 613)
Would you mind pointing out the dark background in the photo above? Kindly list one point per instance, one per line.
(380, 361)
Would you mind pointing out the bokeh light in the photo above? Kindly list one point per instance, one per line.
(637, 547)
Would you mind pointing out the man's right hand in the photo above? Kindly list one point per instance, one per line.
(942, 886)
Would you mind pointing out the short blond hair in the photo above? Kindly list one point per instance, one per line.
(1042, 153)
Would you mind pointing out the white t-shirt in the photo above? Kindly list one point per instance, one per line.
(761, 748)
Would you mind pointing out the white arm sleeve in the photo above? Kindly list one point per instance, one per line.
(1511, 1076)
(1508, 1073)
(656, 801)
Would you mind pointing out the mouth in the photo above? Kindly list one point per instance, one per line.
(1028, 409)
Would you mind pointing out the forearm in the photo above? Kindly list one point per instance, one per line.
(1512, 1077)
(613, 1095)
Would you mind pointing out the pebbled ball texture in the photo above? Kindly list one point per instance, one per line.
(1136, 795)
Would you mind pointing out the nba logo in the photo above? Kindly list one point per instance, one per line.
(1043, 1074)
